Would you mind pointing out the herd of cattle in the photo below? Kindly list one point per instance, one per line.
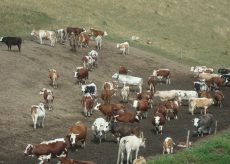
(119, 117)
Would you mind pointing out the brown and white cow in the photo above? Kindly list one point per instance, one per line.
(123, 70)
(123, 47)
(75, 30)
(76, 135)
(172, 106)
(87, 102)
(65, 160)
(45, 34)
(88, 62)
(142, 106)
(53, 75)
(152, 82)
(106, 95)
(48, 97)
(47, 149)
(160, 108)
(216, 82)
(219, 97)
(38, 114)
(158, 122)
(83, 39)
(96, 33)
(163, 74)
(168, 145)
(82, 74)
(108, 85)
(204, 103)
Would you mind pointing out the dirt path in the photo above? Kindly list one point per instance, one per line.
(24, 74)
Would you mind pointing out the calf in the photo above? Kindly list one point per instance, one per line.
(48, 97)
(127, 145)
(64, 160)
(168, 145)
(53, 75)
(38, 114)
(76, 134)
(158, 122)
(100, 127)
(139, 160)
(163, 74)
(203, 124)
(200, 103)
(47, 149)
(219, 97)
(11, 41)
(124, 48)
(87, 102)
(82, 74)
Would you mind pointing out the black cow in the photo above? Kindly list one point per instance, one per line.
(223, 71)
(10, 41)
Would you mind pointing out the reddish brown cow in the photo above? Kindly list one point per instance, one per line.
(219, 97)
(48, 97)
(47, 149)
(216, 82)
(87, 102)
(83, 39)
(152, 82)
(158, 122)
(127, 116)
(160, 108)
(72, 161)
(82, 74)
(123, 70)
(206, 94)
(53, 75)
(148, 95)
(172, 107)
(142, 106)
(75, 30)
(163, 73)
(76, 135)
(106, 95)
(95, 32)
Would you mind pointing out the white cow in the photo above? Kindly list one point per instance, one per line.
(186, 94)
(125, 93)
(127, 145)
(38, 114)
(124, 48)
(100, 127)
(166, 95)
(45, 34)
(61, 34)
(129, 80)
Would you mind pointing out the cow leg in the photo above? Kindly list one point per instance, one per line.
(42, 124)
(35, 121)
(128, 155)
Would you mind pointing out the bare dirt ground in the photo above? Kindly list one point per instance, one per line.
(24, 74)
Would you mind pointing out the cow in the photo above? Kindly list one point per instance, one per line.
(166, 95)
(96, 33)
(83, 39)
(127, 145)
(227, 77)
(206, 94)
(109, 109)
(88, 62)
(147, 95)
(223, 71)
(100, 127)
(152, 82)
(130, 116)
(219, 97)
(163, 74)
(11, 41)
(123, 70)
(64, 160)
(87, 102)
(125, 94)
(142, 106)
(61, 34)
(185, 95)
(173, 107)
(94, 54)
(129, 80)
(206, 76)
(38, 114)
(200, 103)
(53, 75)
(76, 135)
(48, 97)
(98, 41)
(160, 108)
(216, 82)
(73, 41)
(199, 69)
(47, 149)
(123, 47)
(121, 129)
(108, 85)
(200, 86)
(158, 122)
(106, 95)
(139, 160)
(75, 30)
(89, 88)
(82, 74)
(168, 145)
(203, 124)
(45, 34)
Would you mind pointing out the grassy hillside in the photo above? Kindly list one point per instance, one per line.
(196, 32)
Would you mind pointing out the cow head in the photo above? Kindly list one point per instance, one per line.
(157, 120)
(196, 122)
(97, 106)
(29, 150)
(73, 138)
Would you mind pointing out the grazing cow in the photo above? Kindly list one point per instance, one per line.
(83, 39)
(11, 41)
(200, 86)
(48, 97)
(45, 34)
(200, 103)
(61, 34)
(152, 82)
(142, 106)
(38, 114)
(139, 160)
(158, 122)
(219, 97)
(64, 160)
(121, 129)
(109, 109)
(127, 145)
(173, 107)
(167, 95)
(125, 94)
(73, 41)
(129, 80)
(100, 127)
(89, 88)
(106, 95)
(76, 134)
(203, 124)
(75, 30)
(94, 54)
(82, 74)
(87, 102)
(47, 149)
(88, 62)
(206, 76)
(163, 74)
(98, 40)
(123, 70)
(123, 47)
(96, 33)
(53, 75)
(168, 145)
(223, 71)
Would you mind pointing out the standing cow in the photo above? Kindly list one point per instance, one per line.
(48, 97)
(11, 41)
(38, 114)
(53, 75)
(87, 102)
